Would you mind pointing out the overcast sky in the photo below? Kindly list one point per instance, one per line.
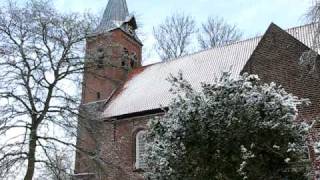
(251, 16)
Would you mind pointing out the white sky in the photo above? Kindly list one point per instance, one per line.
(251, 16)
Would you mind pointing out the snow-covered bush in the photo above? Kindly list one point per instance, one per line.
(232, 129)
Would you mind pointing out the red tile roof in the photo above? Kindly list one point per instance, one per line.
(147, 88)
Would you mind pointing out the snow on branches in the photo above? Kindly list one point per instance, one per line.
(232, 129)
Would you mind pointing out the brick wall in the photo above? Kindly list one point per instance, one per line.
(105, 80)
(109, 140)
(276, 59)
(117, 145)
(124, 146)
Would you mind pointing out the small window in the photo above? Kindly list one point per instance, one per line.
(100, 58)
(98, 95)
(133, 60)
(140, 150)
(123, 63)
(125, 57)
(132, 63)
(130, 30)
(125, 51)
(100, 63)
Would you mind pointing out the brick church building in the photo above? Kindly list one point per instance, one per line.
(120, 95)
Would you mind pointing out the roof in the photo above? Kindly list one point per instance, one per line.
(148, 89)
(114, 16)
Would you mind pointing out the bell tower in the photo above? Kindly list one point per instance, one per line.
(112, 51)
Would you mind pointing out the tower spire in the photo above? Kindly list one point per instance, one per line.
(114, 16)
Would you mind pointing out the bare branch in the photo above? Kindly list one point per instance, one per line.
(174, 36)
(216, 32)
(41, 53)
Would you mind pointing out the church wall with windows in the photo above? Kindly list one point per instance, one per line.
(115, 52)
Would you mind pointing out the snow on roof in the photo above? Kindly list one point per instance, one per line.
(114, 15)
(149, 88)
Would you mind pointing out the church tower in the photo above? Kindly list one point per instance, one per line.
(112, 51)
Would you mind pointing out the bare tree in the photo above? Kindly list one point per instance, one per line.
(313, 13)
(216, 32)
(174, 36)
(41, 60)
(309, 60)
(60, 167)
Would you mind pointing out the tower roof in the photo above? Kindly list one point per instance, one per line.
(114, 16)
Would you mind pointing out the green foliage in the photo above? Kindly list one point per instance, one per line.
(233, 129)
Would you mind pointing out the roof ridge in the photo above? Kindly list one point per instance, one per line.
(226, 45)
(300, 26)
(204, 50)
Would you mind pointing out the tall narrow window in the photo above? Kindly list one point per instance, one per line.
(98, 95)
(140, 150)
(133, 60)
(100, 58)
(125, 57)
(131, 64)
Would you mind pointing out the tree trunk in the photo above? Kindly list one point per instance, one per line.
(32, 154)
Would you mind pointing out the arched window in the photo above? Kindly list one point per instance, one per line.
(140, 150)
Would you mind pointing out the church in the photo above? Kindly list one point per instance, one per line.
(120, 95)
